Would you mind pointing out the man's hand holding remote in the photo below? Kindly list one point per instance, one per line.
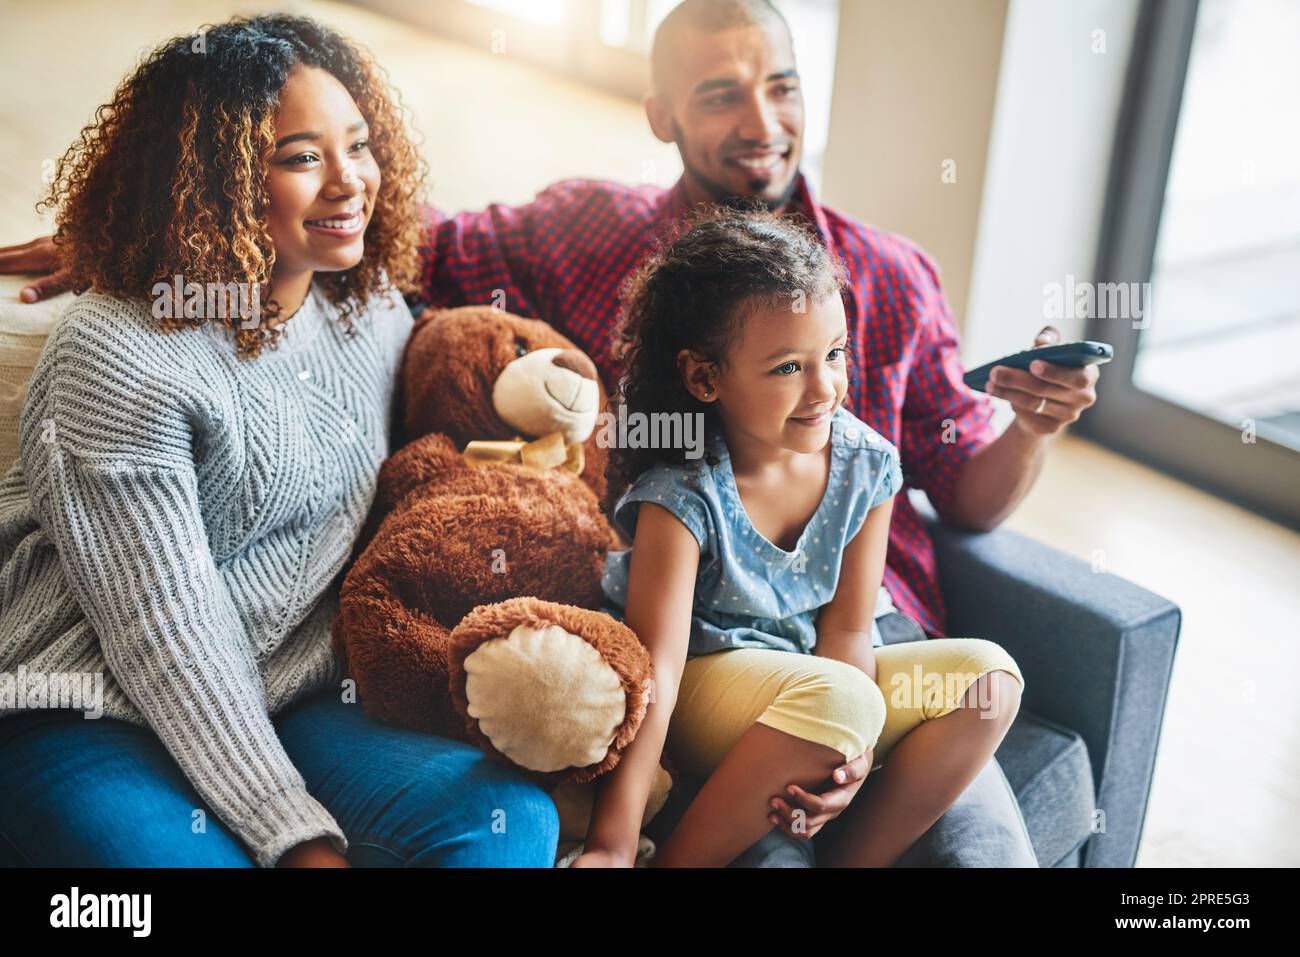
(1047, 397)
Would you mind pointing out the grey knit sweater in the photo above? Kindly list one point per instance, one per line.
(178, 521)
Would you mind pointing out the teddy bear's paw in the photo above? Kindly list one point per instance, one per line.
(545, 697)
(573, 801)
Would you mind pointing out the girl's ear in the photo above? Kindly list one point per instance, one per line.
(698, 375)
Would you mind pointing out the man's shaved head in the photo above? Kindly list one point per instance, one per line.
(705, 16)
(727, 93)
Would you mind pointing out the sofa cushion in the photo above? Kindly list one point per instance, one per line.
(1048, 768)
(24, 329)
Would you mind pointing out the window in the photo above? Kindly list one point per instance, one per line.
(1205, 211)
(1227, 263)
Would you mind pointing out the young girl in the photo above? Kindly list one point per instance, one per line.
(755, 568)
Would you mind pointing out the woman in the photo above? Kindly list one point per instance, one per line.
(200, 445)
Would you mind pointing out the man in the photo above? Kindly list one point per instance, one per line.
(727, 93)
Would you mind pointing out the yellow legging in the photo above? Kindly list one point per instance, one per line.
(822, 699)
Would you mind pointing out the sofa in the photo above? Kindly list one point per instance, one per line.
(1097, 653)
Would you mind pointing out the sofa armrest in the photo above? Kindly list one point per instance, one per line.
(1096, 651)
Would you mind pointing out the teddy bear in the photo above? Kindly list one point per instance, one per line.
(470, 607)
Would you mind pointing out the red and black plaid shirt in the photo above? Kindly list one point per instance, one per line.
(562, 258)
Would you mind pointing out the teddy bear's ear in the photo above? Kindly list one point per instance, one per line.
(424, 315)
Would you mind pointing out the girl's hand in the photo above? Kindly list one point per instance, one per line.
(803, 814)
(600, 857)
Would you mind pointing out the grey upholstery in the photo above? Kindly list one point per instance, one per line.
(1097, 653)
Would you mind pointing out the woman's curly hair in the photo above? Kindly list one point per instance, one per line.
(171, 177)
(695, 292)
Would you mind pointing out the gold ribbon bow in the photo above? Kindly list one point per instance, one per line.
(548, 452)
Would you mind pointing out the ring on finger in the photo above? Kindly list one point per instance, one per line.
(1042, 404)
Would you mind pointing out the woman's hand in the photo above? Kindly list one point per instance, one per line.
(603, 857)
(803, 814)
(318, 852)
(36, 256)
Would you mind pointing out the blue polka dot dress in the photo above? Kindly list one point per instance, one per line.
(749, 593)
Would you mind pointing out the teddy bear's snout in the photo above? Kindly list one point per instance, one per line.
(575, 361)
(549, 390)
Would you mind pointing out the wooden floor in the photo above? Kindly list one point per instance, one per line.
(1227, 779)
(1227, 786)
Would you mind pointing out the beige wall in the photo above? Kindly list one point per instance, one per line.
(915, 85)
(1059, 94)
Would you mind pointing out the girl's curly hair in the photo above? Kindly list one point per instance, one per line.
(695, 292)
(171, 176)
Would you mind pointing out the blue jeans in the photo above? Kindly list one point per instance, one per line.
(105, 793)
